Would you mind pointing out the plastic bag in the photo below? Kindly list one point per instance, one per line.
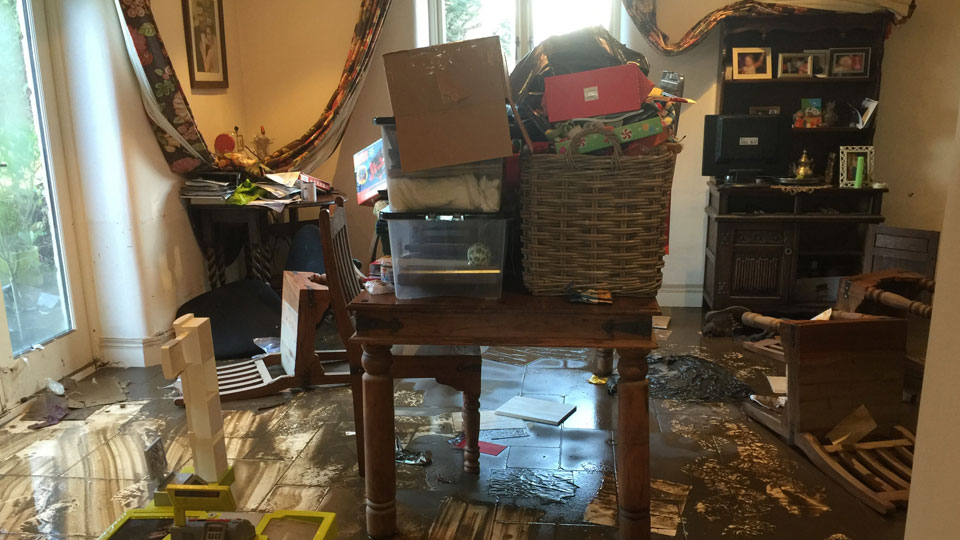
(582, 50)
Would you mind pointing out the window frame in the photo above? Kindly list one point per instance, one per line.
(523, 20)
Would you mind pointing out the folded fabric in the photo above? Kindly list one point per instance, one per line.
(464, 193)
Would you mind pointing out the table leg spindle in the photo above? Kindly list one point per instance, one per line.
(379, 436)
(633, 445)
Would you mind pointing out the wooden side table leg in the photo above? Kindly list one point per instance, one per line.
(602, 362)
(633, 445)
(379, 441)
(471, 432)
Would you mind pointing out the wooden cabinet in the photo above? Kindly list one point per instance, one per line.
(770, 250)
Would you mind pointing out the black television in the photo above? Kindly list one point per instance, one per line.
(745, 146)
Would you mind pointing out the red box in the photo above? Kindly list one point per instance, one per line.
(597, 92)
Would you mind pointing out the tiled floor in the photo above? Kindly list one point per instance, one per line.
(716, 473)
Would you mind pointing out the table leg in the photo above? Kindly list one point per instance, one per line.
(633, 445)
(378, 441)
(602, 362)
(471, 432)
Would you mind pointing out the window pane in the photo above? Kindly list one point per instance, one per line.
(471, 19)
(552, 17)
(30, 262)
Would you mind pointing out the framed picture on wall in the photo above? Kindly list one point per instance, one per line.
(848, 165)
(752, 63)
(818, 62)
(206, 45)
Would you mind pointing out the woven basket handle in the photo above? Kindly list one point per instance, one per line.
(594, 129)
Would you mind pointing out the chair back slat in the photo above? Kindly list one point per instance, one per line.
(338, 260)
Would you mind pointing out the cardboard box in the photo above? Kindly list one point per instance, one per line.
(371, 174)
(627, 133)
(597, 92)
(450, 103)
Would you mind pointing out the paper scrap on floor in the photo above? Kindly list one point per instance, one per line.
(491, 449)
(661, 321)
(536, 410)
(777, 384)
(853, 428)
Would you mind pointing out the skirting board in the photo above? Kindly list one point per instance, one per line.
(680, 295)
(133, 352)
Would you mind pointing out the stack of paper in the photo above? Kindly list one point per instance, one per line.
(203, 191)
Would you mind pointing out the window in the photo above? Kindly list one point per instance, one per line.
(521, 24)
(32, 272)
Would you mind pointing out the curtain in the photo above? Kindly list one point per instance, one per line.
(173, 122)
(644, 15)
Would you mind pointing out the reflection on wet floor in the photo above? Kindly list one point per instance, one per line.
(716, 473)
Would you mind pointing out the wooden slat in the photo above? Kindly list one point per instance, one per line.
(864, 474)
(905, 432)
(905, 454)
(895, 464)
(868, 445)
(877, 468)
(825, 462)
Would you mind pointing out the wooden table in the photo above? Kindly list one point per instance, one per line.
(514, 320)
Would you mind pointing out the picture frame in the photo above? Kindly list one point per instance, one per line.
(819, 62)
(206, 44)
(848, 164)
(794, 65)
(752, 63)
(850, 62)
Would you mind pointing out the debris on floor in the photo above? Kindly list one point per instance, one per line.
(462, 519)
(536, 410)
(95, 391)
(853, 428)
(667, 501)
(661, 322)
(491, 449)
(693, 379)
(599, 381)
(769, 402)
(411, 457)
(48, 410)
(778, 385)
(603, 509)
(544, 484)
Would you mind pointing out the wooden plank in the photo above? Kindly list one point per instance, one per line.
(825, 462)
(900, 495)
(854, 335)
(904, 454)
(905, 432)
(878, 469)
(773, 421)
(894, 463)
(536, 410)
(769, 348)
(872, 445)
(864, 474)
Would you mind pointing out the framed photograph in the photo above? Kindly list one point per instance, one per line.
(793, 65)
(206, 46)
(848, 164)
(850, 62)
(752, 63)
(818, 62)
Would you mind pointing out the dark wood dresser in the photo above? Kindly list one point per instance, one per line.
(771, 250)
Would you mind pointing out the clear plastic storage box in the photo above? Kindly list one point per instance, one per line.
(447, 255)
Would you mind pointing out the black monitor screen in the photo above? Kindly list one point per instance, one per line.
(750, 144)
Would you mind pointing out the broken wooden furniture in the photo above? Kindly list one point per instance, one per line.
(895, 293)
(876, 472)
(305, 301)
(190, 356)
(449, 367)
(514, 320)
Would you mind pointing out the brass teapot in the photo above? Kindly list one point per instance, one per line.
(804, 167)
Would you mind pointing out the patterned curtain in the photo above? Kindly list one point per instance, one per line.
(644, 15)
(173, 122)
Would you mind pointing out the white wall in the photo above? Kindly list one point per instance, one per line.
(933, 508)
(144, 260)
(915, 147)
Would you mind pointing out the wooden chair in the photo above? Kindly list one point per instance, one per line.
(459, 371)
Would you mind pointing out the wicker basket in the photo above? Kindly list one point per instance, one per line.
(598, 222)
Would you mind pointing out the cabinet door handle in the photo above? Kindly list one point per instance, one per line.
(787, 250)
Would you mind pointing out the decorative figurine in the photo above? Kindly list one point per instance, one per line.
(804, 166)
(261, 144)
(830, 116)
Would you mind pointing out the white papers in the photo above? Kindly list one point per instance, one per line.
(288, 179)
(277, 205)
(865, 114)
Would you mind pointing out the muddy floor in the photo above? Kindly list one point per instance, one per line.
(715, 473)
